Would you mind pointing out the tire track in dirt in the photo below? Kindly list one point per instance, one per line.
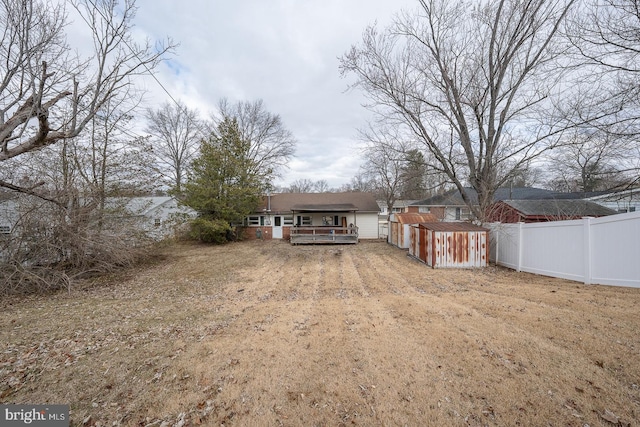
(240, 375)
(474, 330)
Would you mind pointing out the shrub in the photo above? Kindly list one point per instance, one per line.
(210, 230)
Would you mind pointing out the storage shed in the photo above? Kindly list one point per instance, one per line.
(400, 224)
(449, 244)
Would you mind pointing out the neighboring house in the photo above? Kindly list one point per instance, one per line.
(158, 216)
(451, 207)
(9, 214)
(621, 201)
(399, 206)
(512, 211)
(280, 215)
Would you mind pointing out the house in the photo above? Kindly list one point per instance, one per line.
(512, 211)
(619, 201)
(9, 213)
(451, 207)
(399, 206)
(159, 217)
(315, 217)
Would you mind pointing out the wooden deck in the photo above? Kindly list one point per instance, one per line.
(309, 235)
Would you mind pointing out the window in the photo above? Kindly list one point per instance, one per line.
(277, 221)
(288, 220)
(327, 220)
(304, 220)
(458, 213)
(424, 209)
(397, 210)
(157, 222)
(255, 220)
(5, 229)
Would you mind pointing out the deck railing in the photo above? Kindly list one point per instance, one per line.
(323, 234)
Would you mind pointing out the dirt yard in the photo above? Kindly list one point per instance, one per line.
(263, 333)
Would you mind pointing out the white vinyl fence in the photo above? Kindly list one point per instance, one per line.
(603, 251)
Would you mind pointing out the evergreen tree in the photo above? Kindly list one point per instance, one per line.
(413, 176)
(222, 185)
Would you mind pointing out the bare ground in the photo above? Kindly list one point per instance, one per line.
(263, 333)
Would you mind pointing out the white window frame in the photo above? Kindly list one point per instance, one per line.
(304, 220)
(5, 229)
(255, 221)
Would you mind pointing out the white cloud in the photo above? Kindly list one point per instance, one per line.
(282, 51)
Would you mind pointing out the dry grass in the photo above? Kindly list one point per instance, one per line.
(262, 333)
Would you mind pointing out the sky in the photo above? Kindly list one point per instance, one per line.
(284, 52)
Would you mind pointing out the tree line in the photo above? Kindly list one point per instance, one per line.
(71, 158)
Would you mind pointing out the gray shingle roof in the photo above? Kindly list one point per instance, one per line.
(454, 198)
(349, 201)
(571, 207)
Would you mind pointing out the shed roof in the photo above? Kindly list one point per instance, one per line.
(451, 226)
(320, 202)
(413, 218)
(559, 208)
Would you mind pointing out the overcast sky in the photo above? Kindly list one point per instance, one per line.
(284, 52)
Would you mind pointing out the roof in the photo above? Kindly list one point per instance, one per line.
(325, 208)
(629, 194)
(319, 202)
(401, 203)
(413, 218)
(144, 205)
(454, 198)
(559, 208)
(451, 226)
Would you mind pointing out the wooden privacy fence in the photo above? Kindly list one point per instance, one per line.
(603, 251)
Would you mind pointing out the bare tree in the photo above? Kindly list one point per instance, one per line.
(321, 186)
(383, 165)
(592, 161)
(606, 37)
(360, 182)
(272, 144)
(176, 131)
(301, 186)
(39, 76)
(471, 84)
(64, 143)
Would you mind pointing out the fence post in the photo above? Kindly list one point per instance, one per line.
(496, 233)
(520, 246)
(586, 227)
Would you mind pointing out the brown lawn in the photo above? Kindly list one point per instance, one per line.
(263, 333)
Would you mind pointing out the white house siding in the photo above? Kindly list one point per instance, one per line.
(367, 222)
(367, 225)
